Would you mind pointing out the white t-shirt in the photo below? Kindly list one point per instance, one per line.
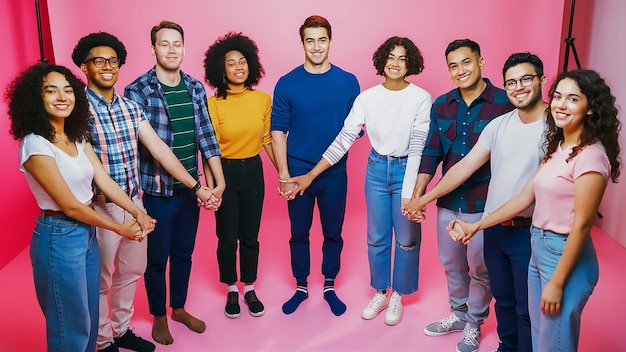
(397, 124)
(77, 171)
(516, 153)
(554, 185)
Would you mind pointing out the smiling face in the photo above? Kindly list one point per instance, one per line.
(569, 107)
(57, 95)
(395, 68)
(104, 78)
(316, 45)
(168, 49)
(464, 67)
(524, 97)
(236, 70)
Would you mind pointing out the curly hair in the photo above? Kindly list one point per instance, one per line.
(601, 126)
(414, 59)
(26, 108)
(215, 56)
(90, 41)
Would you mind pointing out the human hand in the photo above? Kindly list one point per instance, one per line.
(462, 231)
(203, 195)
(551, 298)
(131, 230)
(302, 182)
(287, 189)
(414, 209)
(145, 222)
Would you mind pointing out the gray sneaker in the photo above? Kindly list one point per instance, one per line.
(447, 325)
(469, 340)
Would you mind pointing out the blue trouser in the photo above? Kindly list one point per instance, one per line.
(507, 252)
(558, 332)
(66, 270)
(330, 191)
(469, 293)
(383, 196)
(238, 219)
(173, 238)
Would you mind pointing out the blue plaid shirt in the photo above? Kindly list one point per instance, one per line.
(454, 129)
(147, 92)
(115, 136)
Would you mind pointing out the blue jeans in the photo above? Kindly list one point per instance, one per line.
(507, 252)
(330, 191)
(66, 269)
(469, 292)
(383, 196)
(173, 239)
(558, 332)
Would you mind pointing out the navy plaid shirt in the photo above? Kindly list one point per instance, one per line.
(147, 92)
(454, 129)
(115, 136)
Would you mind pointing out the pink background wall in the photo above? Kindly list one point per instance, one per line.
(500, 27)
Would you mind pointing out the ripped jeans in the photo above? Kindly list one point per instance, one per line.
(387, 227)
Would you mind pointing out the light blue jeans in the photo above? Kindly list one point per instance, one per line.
(66, 268)
(383, 195)
(558, 332)
(469, 292)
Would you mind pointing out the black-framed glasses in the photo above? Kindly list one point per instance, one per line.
(525, 80)
(100, 62)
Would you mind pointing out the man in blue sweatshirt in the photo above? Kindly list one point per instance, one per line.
(310, 105)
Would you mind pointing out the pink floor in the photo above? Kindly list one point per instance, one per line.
(313, 327)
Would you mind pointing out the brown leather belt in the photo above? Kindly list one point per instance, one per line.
(53, 213)
(518, 222)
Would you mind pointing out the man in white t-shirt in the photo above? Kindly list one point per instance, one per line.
(512, 143)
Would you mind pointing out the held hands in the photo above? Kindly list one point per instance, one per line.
(302, 183)
(210, 199)
(145, 222)
(287, 188)
(414, 209)
(462, 231)
(132, 231)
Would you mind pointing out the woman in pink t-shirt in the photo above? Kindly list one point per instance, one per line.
(582, 154)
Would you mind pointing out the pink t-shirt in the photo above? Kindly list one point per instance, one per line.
(554, 185)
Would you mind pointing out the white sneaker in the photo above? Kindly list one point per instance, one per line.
(394, 312)
(378, 303)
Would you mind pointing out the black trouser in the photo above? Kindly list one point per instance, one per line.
(239, 219)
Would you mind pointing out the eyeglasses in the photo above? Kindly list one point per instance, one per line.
(525, 80)
(100, 62)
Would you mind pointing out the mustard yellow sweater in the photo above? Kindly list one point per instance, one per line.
(241, 122)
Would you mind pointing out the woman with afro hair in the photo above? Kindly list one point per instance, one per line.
(582, 156)
(49, 114)
(241, 118)
(396, 114)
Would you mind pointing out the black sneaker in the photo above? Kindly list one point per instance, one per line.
(131, 341)
(110, 348)
(255, 307)
(232, 309)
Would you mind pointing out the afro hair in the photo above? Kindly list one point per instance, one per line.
(90, 41)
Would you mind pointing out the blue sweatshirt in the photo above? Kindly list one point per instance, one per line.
(312, 108)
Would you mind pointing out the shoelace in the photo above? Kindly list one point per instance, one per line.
(447, 322)
(394, 303)
(469, 336)
(377, 300)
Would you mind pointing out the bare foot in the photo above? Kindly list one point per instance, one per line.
(193, 323)
(161, 332)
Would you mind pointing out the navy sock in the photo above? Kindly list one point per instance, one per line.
(336, 305)
(292, 304)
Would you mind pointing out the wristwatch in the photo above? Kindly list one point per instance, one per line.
(197, 186)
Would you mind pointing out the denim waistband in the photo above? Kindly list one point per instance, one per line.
(541, 231)
(388, 157)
